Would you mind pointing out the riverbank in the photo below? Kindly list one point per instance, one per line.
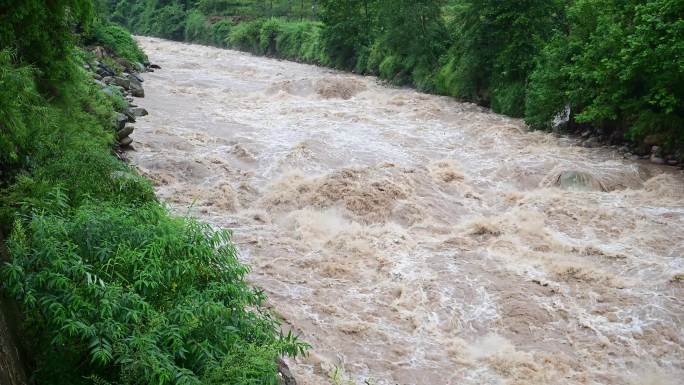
(110, 287)
(549, 62)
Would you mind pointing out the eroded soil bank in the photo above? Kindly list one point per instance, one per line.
(413, 239)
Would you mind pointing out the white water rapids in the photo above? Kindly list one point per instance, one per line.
(413, 239)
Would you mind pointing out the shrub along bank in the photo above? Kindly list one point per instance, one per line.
(616, 67)
(113, 289)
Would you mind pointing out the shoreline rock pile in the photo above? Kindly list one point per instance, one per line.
(125, 81)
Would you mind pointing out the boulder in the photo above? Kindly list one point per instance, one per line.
(125, 142)
(579, 180)
(103, 70)
(139, 67)
(135, 87)
(139, 111)
(124, 132)
(137, 90)
(121, 82)
(130, 114)
(121, 121)
(286, 377)
(155, 66)
(136, 77)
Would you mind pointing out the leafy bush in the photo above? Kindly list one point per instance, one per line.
(495, 45)
(348, 30)
(19, 112)
(40, 33)
(619, 66)
(219, 32)
(246, 36)
(114, 290)
(119, 41)
(168, 22)
(197, 29)
(131, 295)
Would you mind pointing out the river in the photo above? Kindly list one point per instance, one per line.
(413, 239)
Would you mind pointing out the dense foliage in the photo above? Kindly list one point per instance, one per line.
(620, 66)
(113, 289)
(616, 66)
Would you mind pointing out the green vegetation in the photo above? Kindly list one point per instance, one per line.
(119, 40)
(113, 289)
(617, 65)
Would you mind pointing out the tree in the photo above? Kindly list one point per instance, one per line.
(348, 29)
(496, 43)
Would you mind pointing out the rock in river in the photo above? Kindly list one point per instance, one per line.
(579, 180)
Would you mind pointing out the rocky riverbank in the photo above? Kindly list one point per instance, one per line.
(120, 78)
(652, 148)
(124, 79)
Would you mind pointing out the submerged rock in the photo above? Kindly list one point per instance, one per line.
(579, 180)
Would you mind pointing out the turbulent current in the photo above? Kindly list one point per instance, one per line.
(413, 239)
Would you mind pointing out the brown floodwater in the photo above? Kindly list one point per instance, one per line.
(413, 239)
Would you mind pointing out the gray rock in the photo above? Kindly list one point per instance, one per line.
(136, 77)
(121, 82)
(672, 162)
(125, 142)
(137, 91)
(139, 67)
(579, 180)
(130, 114)
(103, 70)
(139, 111)
(155, 66)
(121, 121)
(136, 87)
(656, 150)
(286, 377)
(108, 91)
(124, 132)
(99, 83)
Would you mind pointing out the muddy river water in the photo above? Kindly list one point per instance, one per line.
(413, 239)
